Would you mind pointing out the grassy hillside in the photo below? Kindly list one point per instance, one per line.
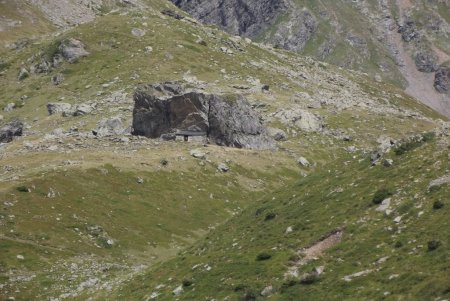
(396, 249)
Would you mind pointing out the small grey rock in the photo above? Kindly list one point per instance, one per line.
(223, 167)
(303, 162)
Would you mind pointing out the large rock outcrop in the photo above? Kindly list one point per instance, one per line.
(240, 17)
(227, 120)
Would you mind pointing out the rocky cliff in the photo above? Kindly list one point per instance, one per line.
(240, 17)
(228, 120)
(398, 41)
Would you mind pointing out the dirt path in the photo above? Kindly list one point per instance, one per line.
(31, 243)
(420, 85)
(314, 251)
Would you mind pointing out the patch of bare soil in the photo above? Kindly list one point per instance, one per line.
(315, 250)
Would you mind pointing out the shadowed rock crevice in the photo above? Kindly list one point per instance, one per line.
(227, 120)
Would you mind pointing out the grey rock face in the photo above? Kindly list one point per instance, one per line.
(72, 50)
(11, 130)
(240, 17)
(227, 120)
(296, 33)
(442, 80)
(426, 62)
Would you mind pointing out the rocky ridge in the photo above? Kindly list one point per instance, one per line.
(301, 27)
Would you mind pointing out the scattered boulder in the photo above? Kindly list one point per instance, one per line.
(178, 290)
(426, 62)
(57, 79)
(388, 162)
(109, 127)
(11, 130)
(277, 134)
(267, 291)
(23, 73)
(41, 68)
(223, 167)
(385, 143)
(289, 229)
(303, 162)
(302, 119)
(442, 80)
(9, 107)
(375, 157)
(226, 120)
(408, 31)
(385, 204)
(137, 32)
(197, 153)
(72, 50)
(439, 182)
(58, 107)
(81, 109)
(349, 278)
(95, 230)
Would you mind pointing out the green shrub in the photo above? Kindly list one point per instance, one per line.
(414, 143)
(263, 256)
(187, 282)
(289, 282)
(398, 244)
(22, 189)
(433, 245)
(438, 205)
(380, 195)
(427, 137)
(270, 216)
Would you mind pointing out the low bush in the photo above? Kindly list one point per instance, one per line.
(270, 216)
(380, 195)
(263, 256)
(438, 205)
(22, 189)
(433, 245)
(414, 143)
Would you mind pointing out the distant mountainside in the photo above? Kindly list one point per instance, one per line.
(401, 41)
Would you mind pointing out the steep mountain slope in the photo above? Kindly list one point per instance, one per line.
(91, 211)
(403, 42)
